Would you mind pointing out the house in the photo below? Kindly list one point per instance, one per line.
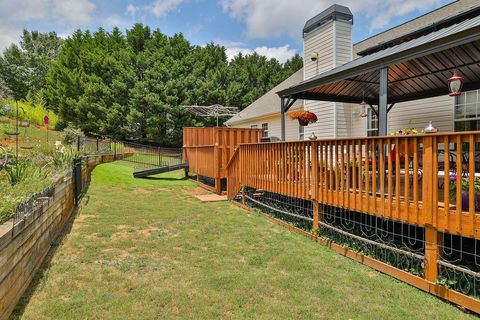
(327, 44)
(264, 113)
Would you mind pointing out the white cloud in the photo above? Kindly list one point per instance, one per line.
(132, 9)
(195, 29)
(162, 7)
(115, 20)
(273, 18)
(282, 54)
(69, 14)
(8, 35)
(77, 12)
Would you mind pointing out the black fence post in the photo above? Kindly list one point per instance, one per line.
(97, 146)
(159, 157)
(77, 179)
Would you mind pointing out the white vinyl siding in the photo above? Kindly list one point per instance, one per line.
(274, 126)
(318, 41)
(343, 43)
(418, 113)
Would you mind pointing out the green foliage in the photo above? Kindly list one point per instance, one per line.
(23, 68)
(31, 174)
(71, 136)
(465, 185)
(33, 109)
(63, 155)
(134, 85)
(18, 171)
(21, 178)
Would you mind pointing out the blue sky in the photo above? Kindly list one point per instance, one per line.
(269, 27)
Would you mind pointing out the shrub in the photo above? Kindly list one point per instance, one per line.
(70, 136)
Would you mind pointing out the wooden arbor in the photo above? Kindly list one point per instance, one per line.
(208, 150)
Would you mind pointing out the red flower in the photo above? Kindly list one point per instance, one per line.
(304, 116)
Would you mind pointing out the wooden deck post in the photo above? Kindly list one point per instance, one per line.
(243, 194)
(427, 187)
(433, 243)
(314, 186)
(432, 236)
(217, 164)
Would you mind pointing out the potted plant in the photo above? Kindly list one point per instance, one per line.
(406, 132)
(464, 181)
(304, 117)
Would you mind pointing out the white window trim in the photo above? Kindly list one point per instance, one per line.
(265, 132)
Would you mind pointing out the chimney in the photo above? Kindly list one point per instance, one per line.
(327, 40)
(327, 43)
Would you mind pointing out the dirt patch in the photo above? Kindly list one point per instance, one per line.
(142, 191)
(120, 235)
(195, 191)
(83, 217)
(147, 232)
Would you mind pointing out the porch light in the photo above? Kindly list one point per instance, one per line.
(455, 83)
(363, 105)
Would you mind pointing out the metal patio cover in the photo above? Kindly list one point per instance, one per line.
(417, 69)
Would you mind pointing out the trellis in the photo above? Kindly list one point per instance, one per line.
(215, 110)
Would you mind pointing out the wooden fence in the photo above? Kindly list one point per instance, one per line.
(208, 150)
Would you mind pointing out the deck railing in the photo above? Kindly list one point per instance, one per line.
(208, 150)
(419, 179)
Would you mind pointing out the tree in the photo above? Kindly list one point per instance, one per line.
(134, 85)
(24, 68)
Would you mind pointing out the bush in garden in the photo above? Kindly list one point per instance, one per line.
(70, 135)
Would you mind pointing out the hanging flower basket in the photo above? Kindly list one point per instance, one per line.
(304, 117)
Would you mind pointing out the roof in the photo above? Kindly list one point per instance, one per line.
(334, 12)
(424, 21)
(417, 69)
(458, 16)
(269, 103)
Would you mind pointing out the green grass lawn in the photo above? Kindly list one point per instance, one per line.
(147, 249)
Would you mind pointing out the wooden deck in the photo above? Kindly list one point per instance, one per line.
(401, 178)
(208, 150)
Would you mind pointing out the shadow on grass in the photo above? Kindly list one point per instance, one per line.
(45, 265)
(163, 178)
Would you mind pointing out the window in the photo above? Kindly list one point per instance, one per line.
(372, 123)
(467, 111)
(265, 129)
(301, 132)
(253, 126)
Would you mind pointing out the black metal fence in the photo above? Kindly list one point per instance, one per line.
(148, 157)
(89, 146)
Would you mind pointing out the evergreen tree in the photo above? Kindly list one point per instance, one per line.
(134, 85)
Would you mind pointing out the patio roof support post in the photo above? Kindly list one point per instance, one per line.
(383, 102)
(282, 111)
